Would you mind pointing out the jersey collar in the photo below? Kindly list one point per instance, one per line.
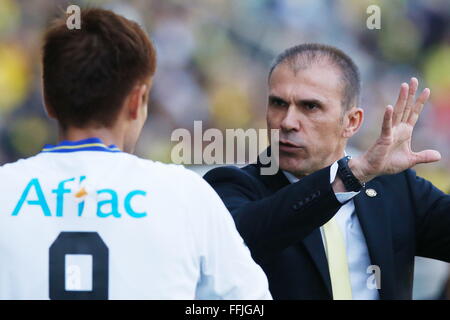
(90, 144)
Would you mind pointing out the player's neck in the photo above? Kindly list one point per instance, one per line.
(107, 135)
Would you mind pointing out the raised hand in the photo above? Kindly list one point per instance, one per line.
(392, 152)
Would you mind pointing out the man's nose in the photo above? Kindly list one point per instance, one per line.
(290, 121)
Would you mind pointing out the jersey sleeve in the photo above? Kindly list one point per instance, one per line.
(227, 268)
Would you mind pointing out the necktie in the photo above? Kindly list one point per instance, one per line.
(337, 261)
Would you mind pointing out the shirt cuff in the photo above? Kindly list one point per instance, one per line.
(342, 197)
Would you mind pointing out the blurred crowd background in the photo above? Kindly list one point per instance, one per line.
(213, 60)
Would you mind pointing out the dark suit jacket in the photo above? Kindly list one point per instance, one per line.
(280, 224)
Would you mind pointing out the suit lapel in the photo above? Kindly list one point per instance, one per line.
(314, 245)
(375, 224)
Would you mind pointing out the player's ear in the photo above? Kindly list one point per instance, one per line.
(49, 109)
(136, 99)
(352, 121)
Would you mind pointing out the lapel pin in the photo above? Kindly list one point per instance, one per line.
(371, 192)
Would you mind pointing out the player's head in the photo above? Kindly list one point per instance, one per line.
(98, 76)
(313, 100)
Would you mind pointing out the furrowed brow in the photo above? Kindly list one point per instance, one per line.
(301, 102)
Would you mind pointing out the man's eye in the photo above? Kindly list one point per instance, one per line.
(278, 103)
(311, 106)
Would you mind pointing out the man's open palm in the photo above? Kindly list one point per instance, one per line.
(392, 152)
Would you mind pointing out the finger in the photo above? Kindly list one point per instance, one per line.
(386, 128)
(427, 156)
(400, 104)
(413, 84)
(418, 107)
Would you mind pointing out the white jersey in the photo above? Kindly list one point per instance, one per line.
(83, 220)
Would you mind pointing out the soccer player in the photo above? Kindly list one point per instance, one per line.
(86, 219)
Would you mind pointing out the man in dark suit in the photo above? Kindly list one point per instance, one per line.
(327, 226)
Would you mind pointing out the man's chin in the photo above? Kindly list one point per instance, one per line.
(294, 166)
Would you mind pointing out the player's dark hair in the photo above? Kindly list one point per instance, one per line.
(88, 72)
(304, 55)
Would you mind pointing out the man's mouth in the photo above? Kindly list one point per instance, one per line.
(289, 146)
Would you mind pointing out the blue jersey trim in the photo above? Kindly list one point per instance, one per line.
(90, 144)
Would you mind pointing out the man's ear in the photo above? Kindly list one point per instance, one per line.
(136, 98)
(352, 121)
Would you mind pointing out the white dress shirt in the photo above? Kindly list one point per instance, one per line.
(357, 253)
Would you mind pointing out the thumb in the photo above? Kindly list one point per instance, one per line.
(427, 156)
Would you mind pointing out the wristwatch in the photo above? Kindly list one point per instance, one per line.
(351, 183)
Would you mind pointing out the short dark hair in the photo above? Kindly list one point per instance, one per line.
(303, 55)
(88, 72)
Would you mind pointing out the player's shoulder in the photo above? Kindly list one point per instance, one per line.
(153, 165)
(20, 165)
(184, 184)
(175, 172)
